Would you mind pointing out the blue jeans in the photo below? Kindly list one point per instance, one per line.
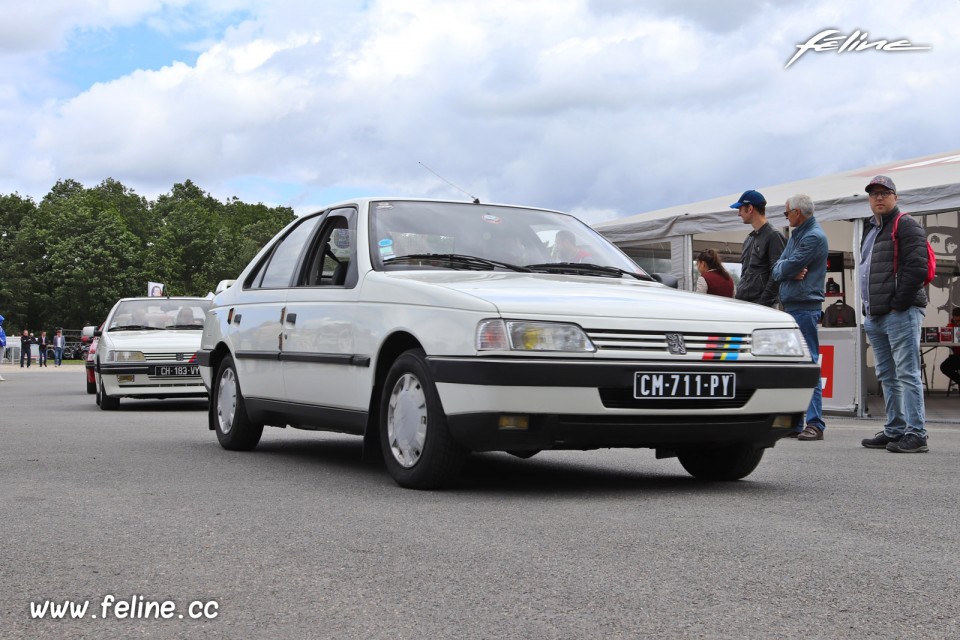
(57, 355)
(807, 319)
(895, 338)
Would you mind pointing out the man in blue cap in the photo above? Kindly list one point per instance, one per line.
(761, 250)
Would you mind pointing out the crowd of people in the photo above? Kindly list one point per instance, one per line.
(45, 343)
(891, 275)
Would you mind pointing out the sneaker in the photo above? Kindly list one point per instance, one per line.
(910, 443)
(879, 441)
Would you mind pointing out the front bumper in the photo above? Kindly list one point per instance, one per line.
(136, 381)
(581, 404)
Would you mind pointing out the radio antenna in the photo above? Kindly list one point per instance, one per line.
(475, 199)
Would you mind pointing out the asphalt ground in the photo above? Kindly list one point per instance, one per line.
(302, 539)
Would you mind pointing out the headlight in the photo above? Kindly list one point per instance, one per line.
(520, 335)
(124, 356)
(778, 342)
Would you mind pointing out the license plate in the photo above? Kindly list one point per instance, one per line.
(684, 386)
(176, 370)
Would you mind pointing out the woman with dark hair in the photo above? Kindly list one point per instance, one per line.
(714, 279)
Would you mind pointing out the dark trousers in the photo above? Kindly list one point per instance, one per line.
(951, 368)
(25, 353)
(42, 358)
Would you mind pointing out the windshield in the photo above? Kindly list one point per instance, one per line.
(446, 235)
(159, 314)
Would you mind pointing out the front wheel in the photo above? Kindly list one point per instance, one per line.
(728, 463)
(107, 403)
(228, 412)
(416, 442)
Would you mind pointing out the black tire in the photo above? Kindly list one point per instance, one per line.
(107, 403)
(417, 447)
(228, 411)
(725, 464)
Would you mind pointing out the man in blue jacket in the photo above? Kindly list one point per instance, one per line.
(894, 304)
(801, 272)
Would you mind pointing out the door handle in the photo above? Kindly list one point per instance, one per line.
(292, 318)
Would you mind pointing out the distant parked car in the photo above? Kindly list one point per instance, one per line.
(434, 329)
(147, 348)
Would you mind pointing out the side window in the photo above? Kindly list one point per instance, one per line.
(333, 254)
(283, 260)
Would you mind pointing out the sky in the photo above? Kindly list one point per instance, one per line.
(603, 108)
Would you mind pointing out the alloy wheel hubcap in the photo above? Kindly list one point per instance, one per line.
(226, 401)
(407, 420)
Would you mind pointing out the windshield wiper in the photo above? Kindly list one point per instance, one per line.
(457, 261)
(585, 268)
(133, 327)
(198, 327)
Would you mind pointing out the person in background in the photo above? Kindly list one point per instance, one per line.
(566, 249)
(714, 278)
(801, 273)
(3, 345)
(894, 305)
(44, 343)
(761, 250)
(25, 341)
(59, 343)
(949, 367)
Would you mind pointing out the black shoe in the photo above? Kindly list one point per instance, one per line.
(879, 441)
(910, 443)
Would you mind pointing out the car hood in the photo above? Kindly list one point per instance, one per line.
(180, 340)
(519, 294)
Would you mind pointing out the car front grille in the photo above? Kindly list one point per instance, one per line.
(697, 346)
(186, 358)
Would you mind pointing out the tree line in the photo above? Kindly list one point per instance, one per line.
(66, 260)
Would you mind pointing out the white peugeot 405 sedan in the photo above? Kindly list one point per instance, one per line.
(147, 348)
(434, 329)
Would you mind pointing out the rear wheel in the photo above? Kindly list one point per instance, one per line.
(107, 403)
(416, 442)
(228, 412)
(727, 463)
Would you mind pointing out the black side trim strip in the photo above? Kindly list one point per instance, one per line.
(326, 358)
(257, 355)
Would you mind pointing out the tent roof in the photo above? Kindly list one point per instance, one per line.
(929, 184)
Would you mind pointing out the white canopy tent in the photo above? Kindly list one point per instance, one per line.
(928, 188)
(930, 184)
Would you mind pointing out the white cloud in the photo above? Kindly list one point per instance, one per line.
(605, 107)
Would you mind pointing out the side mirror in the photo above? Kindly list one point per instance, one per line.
(87, 332)
(666, 279)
